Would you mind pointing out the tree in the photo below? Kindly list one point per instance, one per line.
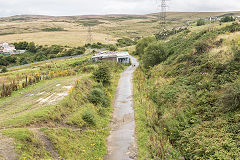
(31, 47)
(4, 69)
(3, 61)
(227, 19)
(23, 61)
(154, 54)
(113, 48)
(142, 44)
(10, 59)
(21, 45)
(40, 57)
(200, 22)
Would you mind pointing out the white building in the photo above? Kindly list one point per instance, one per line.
(121, 57)
(6, 48)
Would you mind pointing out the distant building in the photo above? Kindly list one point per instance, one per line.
(9, 49)
(6, 48)
(213, 19)
(121, 57)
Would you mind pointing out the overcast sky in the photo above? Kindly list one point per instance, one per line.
(86, 7)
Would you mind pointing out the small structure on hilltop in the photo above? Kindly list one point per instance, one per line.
(6, 48)
(121, 57)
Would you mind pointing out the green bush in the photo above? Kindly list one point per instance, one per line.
(97, 96)
(113, 48)
(89, 118)
(200, 22)
(4, 69)
(227, 19)
(125, 42)
(201, 47)
(234, 27)
(102, 75)
(142, 44)
(154, 54)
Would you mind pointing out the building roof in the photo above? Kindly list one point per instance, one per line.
(106, 54)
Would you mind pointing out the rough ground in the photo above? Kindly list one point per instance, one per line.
(121, 142)
(35, 97)
(48, 145)
(7, 148)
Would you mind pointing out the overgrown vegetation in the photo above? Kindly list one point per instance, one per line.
(167, 33)
(35, 53)
(201, 22)
(187, 103)
(124, 42)
(88, 106)
(227, 19)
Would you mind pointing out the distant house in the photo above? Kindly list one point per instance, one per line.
(213, 19)
(6, 48)
(121, 57)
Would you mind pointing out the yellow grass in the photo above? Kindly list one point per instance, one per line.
(61, 38)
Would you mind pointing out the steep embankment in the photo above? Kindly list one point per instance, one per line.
(187, 96)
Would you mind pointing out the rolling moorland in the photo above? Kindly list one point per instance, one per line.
(73, 31)
(186, 89)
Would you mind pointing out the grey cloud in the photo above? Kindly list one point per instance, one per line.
(83, 7)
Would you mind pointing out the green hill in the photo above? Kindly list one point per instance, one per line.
(187, 95)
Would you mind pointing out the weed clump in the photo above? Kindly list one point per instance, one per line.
(89, 118)
(98, 97)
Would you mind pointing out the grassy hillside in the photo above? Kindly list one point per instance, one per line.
(60, 116)
(187, 95)
(73, 31)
